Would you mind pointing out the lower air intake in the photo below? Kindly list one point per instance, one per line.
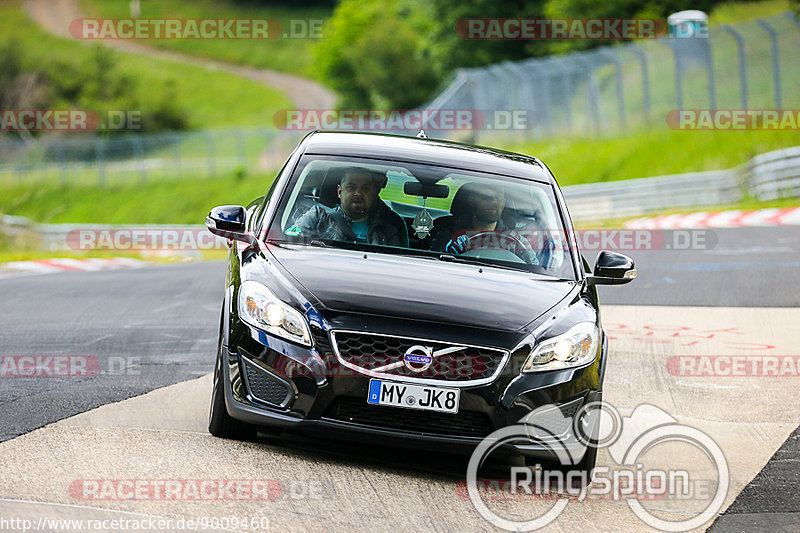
(264, 387)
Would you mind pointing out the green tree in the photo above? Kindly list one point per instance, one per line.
(648, 9)
(452, 51)
(377, 54)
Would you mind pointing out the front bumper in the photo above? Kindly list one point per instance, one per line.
(270, 382)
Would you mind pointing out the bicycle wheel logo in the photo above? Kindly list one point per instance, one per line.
(568, 440)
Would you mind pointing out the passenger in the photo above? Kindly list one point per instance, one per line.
(359, 216)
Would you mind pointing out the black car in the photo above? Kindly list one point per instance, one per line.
(407, 291)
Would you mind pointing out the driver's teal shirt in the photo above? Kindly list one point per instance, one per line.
(361, 229)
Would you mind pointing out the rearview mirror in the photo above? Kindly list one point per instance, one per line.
(229, 221)
(429, 190)
(611, 268)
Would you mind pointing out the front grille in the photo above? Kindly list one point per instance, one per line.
(372, 352)
(356, 411)
(264, 387)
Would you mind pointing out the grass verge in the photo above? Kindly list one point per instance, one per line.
(292, 55)
(654, 152)
(208, 99)
(172, 202)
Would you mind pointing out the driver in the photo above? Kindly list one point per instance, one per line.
(357, 218)
(486, 206)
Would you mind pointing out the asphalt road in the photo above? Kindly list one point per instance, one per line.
(145, 328)
(153, 327)
(737, 267)
(157, 326)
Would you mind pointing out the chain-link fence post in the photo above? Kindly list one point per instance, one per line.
(62, 161)
(607, 52)
(742, 65)
(539, 76)
(643, 63)
(241, 148)
(100, 160)
(210, 154)
(678, 74)
(566, 92)
(138, 151)
(592, 91)
(176, 154)
(776, 66)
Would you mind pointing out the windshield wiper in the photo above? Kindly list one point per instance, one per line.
(449, 258)
(475, 261)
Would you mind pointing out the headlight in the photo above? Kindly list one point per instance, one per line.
(263, 310)
(576, 347)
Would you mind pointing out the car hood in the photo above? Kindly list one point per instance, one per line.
(421, 289)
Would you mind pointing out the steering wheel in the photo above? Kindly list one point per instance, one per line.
(500, 236)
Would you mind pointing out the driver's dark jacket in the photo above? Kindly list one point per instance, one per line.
(323, 222)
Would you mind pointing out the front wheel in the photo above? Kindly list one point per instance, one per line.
(583, 470)
(220, 423)
(580, 474)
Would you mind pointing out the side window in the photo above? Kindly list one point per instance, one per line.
(259, 221)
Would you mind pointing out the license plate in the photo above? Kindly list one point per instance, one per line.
(413, 396)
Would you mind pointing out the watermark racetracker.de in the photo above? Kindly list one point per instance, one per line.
(547, 29)
(401, 120)
(188, 238)
(733, 119)
(204, 29)
(627, 439)
(72, 120)
(67, 366)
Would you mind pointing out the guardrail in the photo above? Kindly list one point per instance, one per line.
(62, 237)
(766, 177)
(774, 174)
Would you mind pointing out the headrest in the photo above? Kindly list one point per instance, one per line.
(460, 206)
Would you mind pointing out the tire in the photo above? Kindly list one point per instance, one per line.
(584, 468)
(220, 423)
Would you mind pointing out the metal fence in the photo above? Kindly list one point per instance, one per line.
(134, 157)
(749, 65)
(752, 65)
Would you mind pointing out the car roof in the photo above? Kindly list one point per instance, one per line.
(431, 151)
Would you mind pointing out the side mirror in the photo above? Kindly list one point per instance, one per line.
(611, 268)
(229, 221)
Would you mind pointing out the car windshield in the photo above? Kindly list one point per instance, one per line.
(424, 210)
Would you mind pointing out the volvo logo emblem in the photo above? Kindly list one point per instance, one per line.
(418, 358)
